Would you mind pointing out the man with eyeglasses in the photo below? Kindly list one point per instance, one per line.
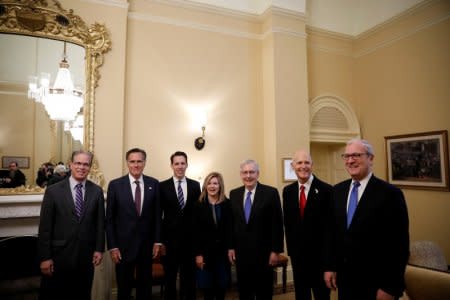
(133, 227)
(257, 233)
(368, 244)
(71, 237)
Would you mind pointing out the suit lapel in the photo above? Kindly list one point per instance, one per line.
(68, 200)
(364, 201)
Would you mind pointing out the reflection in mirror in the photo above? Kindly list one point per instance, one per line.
(32, 43)
(25, 124)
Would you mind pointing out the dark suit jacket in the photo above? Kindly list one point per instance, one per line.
(125, 229)
(210, 239)
(61, 236)
(177, 223)
(254, 241)
(374, 250)
(305, 236)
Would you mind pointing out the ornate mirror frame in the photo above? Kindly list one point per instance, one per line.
(48, 19)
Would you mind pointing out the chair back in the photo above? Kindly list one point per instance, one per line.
(427, 254)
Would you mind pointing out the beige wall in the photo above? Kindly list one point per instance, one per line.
(396, 78)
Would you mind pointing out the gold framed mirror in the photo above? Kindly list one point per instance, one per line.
(49, 20)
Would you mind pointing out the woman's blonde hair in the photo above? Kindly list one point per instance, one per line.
(208, 178)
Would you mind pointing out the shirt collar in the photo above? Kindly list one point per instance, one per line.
(132, 179)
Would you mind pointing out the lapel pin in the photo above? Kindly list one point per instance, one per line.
(316, 191)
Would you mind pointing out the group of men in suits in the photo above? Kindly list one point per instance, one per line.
(355, 239)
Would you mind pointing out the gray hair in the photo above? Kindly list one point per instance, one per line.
(249, 162)
(88, 153)
(365, 143)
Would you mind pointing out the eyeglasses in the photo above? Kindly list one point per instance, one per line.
(80, 164)
(251, 172)
(139, 162)
(347, 156)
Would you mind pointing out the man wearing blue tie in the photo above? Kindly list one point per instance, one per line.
(368, 243)
(257, 233)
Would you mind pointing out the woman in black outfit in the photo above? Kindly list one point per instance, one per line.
(212, 223)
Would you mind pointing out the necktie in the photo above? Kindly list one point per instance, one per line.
(79, 200)
(353, 203)
(302, 200)
(137, 197)
(248, 206)
(180, 195)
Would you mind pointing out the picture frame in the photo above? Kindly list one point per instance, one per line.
(419, 160)
(23, 162)
(288, 173)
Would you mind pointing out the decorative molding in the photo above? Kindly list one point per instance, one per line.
(399, 37)
(116, 3)
(341, 111)
(336, 51)
(210, 9)
(224, 12)
(193, 25)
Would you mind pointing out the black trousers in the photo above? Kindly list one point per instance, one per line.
(136, 273)
(179, 261)
(308, 279)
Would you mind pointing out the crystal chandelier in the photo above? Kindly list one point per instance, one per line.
(62, 101)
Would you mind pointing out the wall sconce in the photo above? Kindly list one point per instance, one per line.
(200, 142)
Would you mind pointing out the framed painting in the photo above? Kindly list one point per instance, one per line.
(288, 172)
(23, 162)
(418, 161)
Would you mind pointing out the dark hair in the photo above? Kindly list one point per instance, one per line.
(14, 162)
(136, 150)
(88, 153)
(178, 153)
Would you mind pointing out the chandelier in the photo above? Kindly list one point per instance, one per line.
(62, 101)
(76, 128)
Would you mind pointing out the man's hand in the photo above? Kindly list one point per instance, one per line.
(156, 250)
(97, 258)
(274, 259)
(382, 295)
(330, 280)
(115, 255)
(231, 256)
(47, 267)
(199, 262)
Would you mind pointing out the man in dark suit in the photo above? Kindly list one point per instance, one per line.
(14, 177)
(178, 197)
(133, 225)
(71, 233)
(306, 209)
(257, 234)
(369, 247)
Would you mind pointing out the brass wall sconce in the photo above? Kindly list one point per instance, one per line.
(200, 142)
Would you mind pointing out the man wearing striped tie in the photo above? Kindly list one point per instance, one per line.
(71, 233)
(178, 196)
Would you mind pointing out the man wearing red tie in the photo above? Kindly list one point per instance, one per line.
(306, 207)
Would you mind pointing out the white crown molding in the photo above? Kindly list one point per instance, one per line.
(206, 8)
(283, 12)
(193, 25)
(116, 3)
(284, 31)
(406, 34)
(330, 50)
